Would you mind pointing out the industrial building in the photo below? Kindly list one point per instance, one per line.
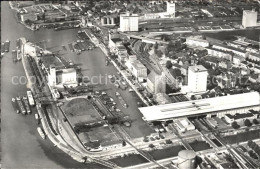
(231, 104)
(249, 18)
(156, 83)
(137, 69)
(170, 13)
(186, 159)
(60, 77)
(128, 22)
(183, 125)
(197, 78)
(28, 16)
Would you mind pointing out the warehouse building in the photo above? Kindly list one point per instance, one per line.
(231, 104)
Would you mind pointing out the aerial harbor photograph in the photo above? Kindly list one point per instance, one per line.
(130, 84)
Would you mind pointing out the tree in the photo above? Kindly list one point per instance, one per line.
(168, 64)
(247, 123)
(168, 142)
(255, 121)
(123, 143)
(151, 146)
(235, 125)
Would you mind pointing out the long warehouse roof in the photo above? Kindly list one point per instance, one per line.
(194, 107)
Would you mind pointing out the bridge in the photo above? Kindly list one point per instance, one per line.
(145, 39)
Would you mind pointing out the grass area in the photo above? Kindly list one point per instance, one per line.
(241, 137)
(80, 111)
(166, 153)
(129, 160)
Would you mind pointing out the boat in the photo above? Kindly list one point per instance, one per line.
(2, 48)
(15, 106)
(30, 98)
(20, 105)
(7, 45)
(40, 131)
(26, 103)
(14, 55)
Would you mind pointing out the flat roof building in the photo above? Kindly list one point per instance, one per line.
(197, 78)
(232, 104)
(249, 18)
(128, 22)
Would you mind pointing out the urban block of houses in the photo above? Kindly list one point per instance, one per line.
(239, 117)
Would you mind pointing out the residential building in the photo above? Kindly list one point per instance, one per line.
(239, 117)
(249, 18)
(219, 53)
(197, 78)
(170, 9)
(197, 42)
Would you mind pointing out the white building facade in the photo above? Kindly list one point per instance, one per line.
(197, 78)
(249, 18)
(129, 22)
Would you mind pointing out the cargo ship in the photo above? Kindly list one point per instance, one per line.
(30, 98)
(40, 131)
(20, 105)
(15, 106)
(26, 103)
(14, 55)
(2, 48)
(7, 45)
(121, 100)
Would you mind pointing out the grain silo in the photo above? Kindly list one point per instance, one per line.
(186, 159)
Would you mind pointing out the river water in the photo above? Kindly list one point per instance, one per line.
(22, 147)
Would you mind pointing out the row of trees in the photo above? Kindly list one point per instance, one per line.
(247, 123)
(255, 147)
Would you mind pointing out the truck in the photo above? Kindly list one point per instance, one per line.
(30, 98)
(40, 131)
(121, 100)
(20, 105)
